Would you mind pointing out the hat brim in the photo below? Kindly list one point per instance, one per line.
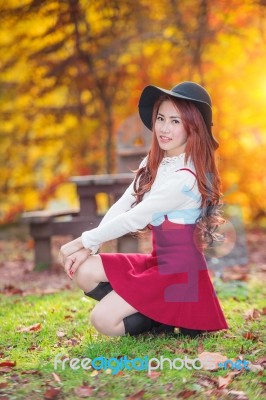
(151, 94)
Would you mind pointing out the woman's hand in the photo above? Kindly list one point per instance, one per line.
(74, 261)
(72, 255)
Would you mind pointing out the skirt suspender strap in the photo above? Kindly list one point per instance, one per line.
(187, 169)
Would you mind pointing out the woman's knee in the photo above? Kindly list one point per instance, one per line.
(102, 323)
(97, 320)
(85, 276)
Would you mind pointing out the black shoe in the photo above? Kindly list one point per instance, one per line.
(191, 332)
(101, 290)
(162, 328)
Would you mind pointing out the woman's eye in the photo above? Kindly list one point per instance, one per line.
(176, 121)
(159, 118)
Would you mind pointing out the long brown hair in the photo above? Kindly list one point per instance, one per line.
(200, 148)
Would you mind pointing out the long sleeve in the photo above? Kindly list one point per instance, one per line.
(173, 193)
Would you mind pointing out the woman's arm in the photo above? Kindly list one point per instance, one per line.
(171, 195)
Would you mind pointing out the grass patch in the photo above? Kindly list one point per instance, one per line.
(65, 330)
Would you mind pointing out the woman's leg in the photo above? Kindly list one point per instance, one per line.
(108, 315)
(114, 316)
(90, 274)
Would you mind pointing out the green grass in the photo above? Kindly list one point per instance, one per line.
(68, 311)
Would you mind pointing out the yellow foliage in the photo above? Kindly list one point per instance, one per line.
(58, 78)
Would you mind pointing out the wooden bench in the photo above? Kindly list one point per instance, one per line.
(45, 224)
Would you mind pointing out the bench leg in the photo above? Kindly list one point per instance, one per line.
(127, 244)
(42, 254)
(41, 233)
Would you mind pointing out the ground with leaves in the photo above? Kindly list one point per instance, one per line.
(43, 316)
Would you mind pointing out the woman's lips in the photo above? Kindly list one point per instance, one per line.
(165, 139)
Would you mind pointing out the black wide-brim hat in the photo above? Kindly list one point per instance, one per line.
(187, 91)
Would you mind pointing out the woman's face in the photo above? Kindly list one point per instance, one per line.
(169, 130)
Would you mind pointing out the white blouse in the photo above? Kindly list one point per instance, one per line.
(174, 194)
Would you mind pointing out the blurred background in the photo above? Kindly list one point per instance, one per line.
(71, 71)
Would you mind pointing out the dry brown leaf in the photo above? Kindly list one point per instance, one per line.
(60, 333)
(153, 375)
(261, 361)
(206, 381)
(224, 381)
(264, 311)
(56, 377)
(252, 314)
(200, 347)
(120, 373)
(68, 317)
(186, 394)
(249, 336)
(31, 328)
(218, 393)
(84, 391)
(237, 395)
(32, 372)
(3, 385)
(255, 367)
(210, 360)
(5, 370)
(7, 363)
(137, 396)
(51, 393)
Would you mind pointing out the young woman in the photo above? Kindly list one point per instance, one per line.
(176, 192)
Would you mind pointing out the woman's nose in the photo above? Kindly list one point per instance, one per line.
(165, 127)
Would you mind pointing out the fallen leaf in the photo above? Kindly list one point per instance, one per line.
(206, 381)
(264, 311)
(237, 395)
(108, 371)
(31, 328)
(168, 387)
(200, 347)
(51, 393)
(261, 361)
(255, 367)
(3, 385)
(32, 372)
(7, 363)
(251, 314)
(210, 361)
(153, 375)
(5, 370)
(186, 394)
(68, 317)
(56, 377)
(137, 396)
(60, 333)
(10, 290)
(120, 373)
(249, 336)
(83, 391)
(224, 381)
(94, 373)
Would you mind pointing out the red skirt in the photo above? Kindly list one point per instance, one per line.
(172, 284)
